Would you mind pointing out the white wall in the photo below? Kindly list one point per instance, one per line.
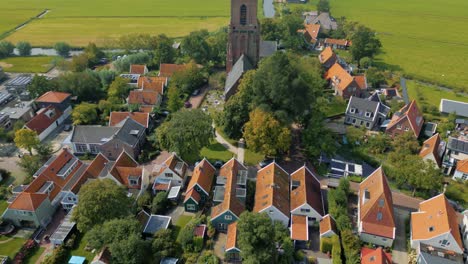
(457, 175)
(382, 241)
(175, 179)
(276, 214)
(311, 214)
(435, 242)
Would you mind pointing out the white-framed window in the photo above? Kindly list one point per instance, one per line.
(305, 210)
(228, 217)
(93, 148)
(168, 175)
(464, 176)
(398, 126)
(367, 124)
(191, 207)
(406, 128)
(444, 243)
(352, 110)
(133, 182)
(81, 148)
(368, 114)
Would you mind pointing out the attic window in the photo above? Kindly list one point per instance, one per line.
(134, 132)
(368, 114)
(379, 216)
(431, 229)
(372, 259)
(352, 110)
(381, 202)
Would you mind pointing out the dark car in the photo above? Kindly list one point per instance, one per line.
(265, 162)
(67, 128)
(218, 164)
(165, 113)
(196, 92)
(187, 104)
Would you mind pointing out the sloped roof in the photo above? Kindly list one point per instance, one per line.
(327, 224)
(143, 97)
(412, 114)
(337, 72)
(144, 79)
(431, 146)
(53, 97)
(231, 238)
(137, 69)
(202, 176)
(361, 81)
(325, 20)
(130, 131)
(242, 65)
(375, 256)
(146, 109)
(192, 193)
(308, 191)
(199, 231)
(155, 84)
(462, 166)
(117, 117)
(299, 228)
(167, 69)
(28, 201)
(376, 205)
(326, 55)
(312, 31)
(171, 163)
(458, 144)
(125, 167)
(93, 134)
(435, 217)
(272, 189)
(340, 42)
(43, 120)
(449, 106)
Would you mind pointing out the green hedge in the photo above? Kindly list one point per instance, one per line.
(326, 244)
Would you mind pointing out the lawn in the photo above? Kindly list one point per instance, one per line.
(3, 206)
(422, 37)
(33, 64)
(79, 22)
(181, 222)
(79, 249)
(216, 151)
(33, 258)
(431, 95)
(335, 107)
(252, 158)
(12, 247)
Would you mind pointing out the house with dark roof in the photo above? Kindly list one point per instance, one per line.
(229, 194)
(35, 205)
(408, 118)
(451, 106)
(152, 223)
(327, 57)
(235, 75)
(306, 195)
(46, 121)
(456, 150)
(138, 69)
(376, 221)
(432, 150)
(324, 19)
(199, 187)
(127, 135)
(171, 173)
(366, 112)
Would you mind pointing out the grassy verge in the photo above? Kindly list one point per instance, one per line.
(252, 158)
(335, 107)
(33, 64)
(12, 247)
(431, 95)
(3, 206)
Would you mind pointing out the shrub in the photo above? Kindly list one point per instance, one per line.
(24, 48)
(197, 244)
(336, 251)
(58, 256)
(326, 244)
(299, 255)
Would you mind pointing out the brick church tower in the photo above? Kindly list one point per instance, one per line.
(244, 33)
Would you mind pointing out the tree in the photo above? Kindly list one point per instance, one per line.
(164, 52)
(86, 85)
(118, 89)
(159, 204)
(184, 136)
(405, 144)
(79, 62)
(30, 164)
(351, 246)
(272, 29)
(255, 233)
(418, 173)
(40, 85)
(217, 43)
(131, 250)
(163, 245)
(195, 46)
(44, 151)
(189, 79)
(315, 129)
(174, 99)
(144, 200)
(137, 41)
(265, 134)
(62, 48)
(94, 54)
(103, 196)
(84, 114)
(6, 49)
(291, 24)
(375, 77)
(24, 48)
(208, 257)
(377, 144)
(27, 139)
(323, 6)
(365, 62)
(365, 43)
(112, 231)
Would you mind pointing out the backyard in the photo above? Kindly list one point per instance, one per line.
(10, 246)
(34, 64)
(181, 222)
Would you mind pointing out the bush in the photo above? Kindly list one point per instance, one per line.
(336, 251)
(208, 257)
(58, 256)
(197, 244)
(24, 48)
(62, 48)
(299, 255)
(326, 244)
(71, 242)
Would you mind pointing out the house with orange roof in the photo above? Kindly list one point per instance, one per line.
(435, 230)
(232, 251)
(375, 256)
(461, 171)
(336, 43)
(171, 173)
(46, 121)
(431, 150)
(168, 69)
(306, 195)
(199, 187)
(230, 194)
(142, 118)
(327, 226)
(299, 230)
(157, 84)
(272, 193)
(138, 69)
(144, 97)
(310, 33)
(60, 100)
(376, 221)
(408, 118)
(37, 203)
(342, 82)
(327, 57)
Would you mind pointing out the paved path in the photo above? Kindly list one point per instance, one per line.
(238, 151)
(399, 254)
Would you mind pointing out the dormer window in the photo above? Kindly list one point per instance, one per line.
(168, 175)
(431, 229)
(133, 180)
(406, 128)
(368, 114)
(352, 110)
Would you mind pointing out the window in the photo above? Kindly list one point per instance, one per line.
(398, 127)
(352, 110)
(431, 229)
(381, 202)
(367, 124)
(228, 217)
(368, 114)
(243, 15)
(305, 210)
(93, 148)
(406, 128)
(354, 121)
(362, 122)
(81, 148)
(191, 207)
(464, 176)
(444, 243)
(133, 182)
(379, 216)
(168, 174)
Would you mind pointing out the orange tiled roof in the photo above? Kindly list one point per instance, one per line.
(272, 189)
(156, 84)
(326, 55)
(42, 121)
(336, 72)
(376, 212)
(146, 109)
(124, 167)
(117, 117)
(435, 217)
(326, 224)
(53, 97)
(231, 237)
(312, 31)
(167, 70)
(308, 192)
(412, 114)
(192, 193)
(431, 146)
(92, 171)
(203, 176)
(137, 69)
(340, 42)
(143, 97)
(375, 256)
(125, 173)
(28, 201)
(299, 228)
(462, 166)
(230, 202)
(361, 81)
(161, 186)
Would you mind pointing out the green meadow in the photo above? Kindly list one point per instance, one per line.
(426, 39)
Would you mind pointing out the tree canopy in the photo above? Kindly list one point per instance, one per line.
(365, 43)
(24, 48)
(84, 114)
(27, 139)
(62, 48)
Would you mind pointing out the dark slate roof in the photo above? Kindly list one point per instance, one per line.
(130, 131)
(156, 223)
(325, 20)
(242, 65)
(362, 106)
(435, 259)
(450, 106)
(93, 134)
(267, 48)
(455, 144)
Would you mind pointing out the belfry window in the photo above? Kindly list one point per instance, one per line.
(243, 15)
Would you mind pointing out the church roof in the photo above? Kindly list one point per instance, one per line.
(242, 65)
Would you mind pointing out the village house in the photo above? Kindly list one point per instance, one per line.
(232, 251)
(299, 230)
(327, 227)
(461, 171)
(456, 150)
(343, 83)
(155, 84)
(375, 256)
(46, 121)
(140, 69)
(167, 69)
(141, 118)
(306, 195)
(170, 175)
(310, 34)
(366, 112)
(59, 100)
(127, 135)
(376, 221)
(144, 98)
(434, 229)
(231, 192)
(324, 19)
(272, 193)
(199, 187)
(327, 57)
(432, 150)
(152, 223)
(336, 43)
(408, 118)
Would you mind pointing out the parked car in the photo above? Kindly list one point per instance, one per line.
(165, 113)
(187, 104)
(218, 164)
(265, 162)
(196, 92)
(67, 128)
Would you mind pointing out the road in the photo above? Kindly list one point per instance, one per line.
(399, 253)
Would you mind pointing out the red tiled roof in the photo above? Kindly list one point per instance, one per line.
(117, 117)
(272, 189)
(312, 31)
(361, 81)
(326, 55)
(146, 109)
(231, 238)
(308, 191)
(412, 114)
(299, 228)
(28, 201)
(125, 167)
(137, 69)
(155, 84)
(192, 193)
(53, 97)
(143, 97)
(161, 186)
(462, 166)
(327, 224)
(202, 176)
(431, 146)
(43, 120)
(167, 70)
(199, 231)
(340, 42)
(336, 72)
(375, 256)
(93, 171)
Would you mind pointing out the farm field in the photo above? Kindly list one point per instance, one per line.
(105, 19)
(425, 38)
(35, 64)
(431, 95)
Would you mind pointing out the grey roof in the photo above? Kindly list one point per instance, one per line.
(18, 111)
(93, 134)
(362, 106)
(156, 223)
(131, 76)
(19, 81)
(61, 233)
(430, 259)
(130, 131)
(267, 48)
(169, 261)
(325, 21)
(242, 65)
(455, 144)
(450, 106)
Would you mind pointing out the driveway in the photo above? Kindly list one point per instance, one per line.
(399, 254)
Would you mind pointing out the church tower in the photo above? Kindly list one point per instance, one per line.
(244, 33)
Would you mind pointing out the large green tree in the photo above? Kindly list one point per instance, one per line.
(195, 46)
(164, 245)
(40, 85)
(365, 43)
(6, 49)
(27, 139)
(186, 133)
(189, 79)
(118, 89)
(85, 85)
(164, 52)
(24, 48)
(84, 114)
(62, 48)
(112, 231)
(100, 201)
(94, 54)
(131, 250)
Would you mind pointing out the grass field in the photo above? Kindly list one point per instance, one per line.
(181, 222)
(216, 151)
(431, 95)
(12, 247)
(424, 37)
(34, 257)
(35, 64)
(79, 22)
